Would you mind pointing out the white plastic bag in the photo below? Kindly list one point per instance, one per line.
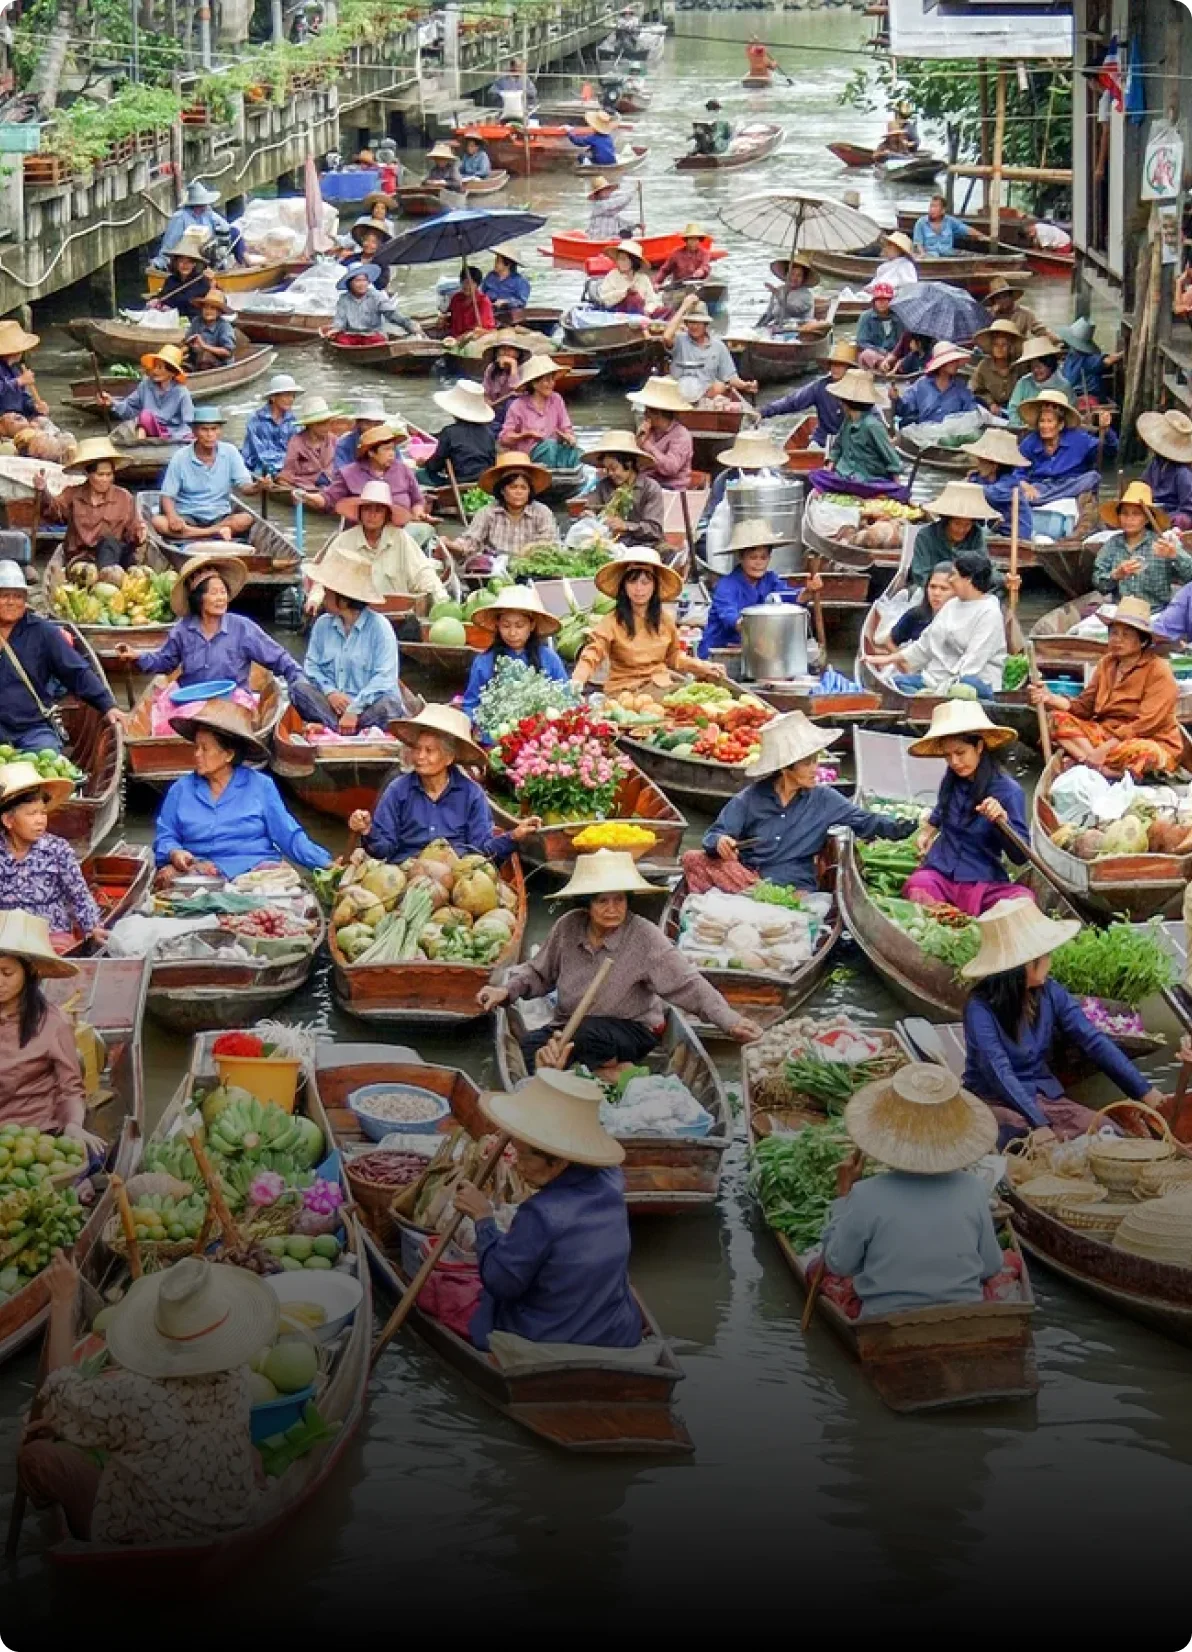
(1083, 794)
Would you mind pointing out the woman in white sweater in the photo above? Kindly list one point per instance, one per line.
(965, 642)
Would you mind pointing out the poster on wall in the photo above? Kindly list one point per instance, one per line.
(1163, 164)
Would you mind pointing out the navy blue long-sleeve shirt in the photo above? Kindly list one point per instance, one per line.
(408, 818)
(969, 848)
(14, 397)
(47, 658)
(829, 408)
(792, 836)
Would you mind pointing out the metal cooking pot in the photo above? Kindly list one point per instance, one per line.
(773, 642)
(772, 497)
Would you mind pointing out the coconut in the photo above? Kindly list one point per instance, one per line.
(438, 893)
(1164, 837)
(384, 881)
(476, 893)
(507, 897)
(1089, 844)
(428, 867)
(1127, 836)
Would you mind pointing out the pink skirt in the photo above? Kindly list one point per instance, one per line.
(929, 888)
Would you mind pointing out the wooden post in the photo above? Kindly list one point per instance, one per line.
(999, 142)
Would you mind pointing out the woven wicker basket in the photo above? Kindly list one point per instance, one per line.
(156, 1254)
(1166, 1177)
(1120, 1162)
(1159, 1230)
(1048, 1192)
(374, 1199)
(1099, 1221)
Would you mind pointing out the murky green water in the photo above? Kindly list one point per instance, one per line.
(807, 1505)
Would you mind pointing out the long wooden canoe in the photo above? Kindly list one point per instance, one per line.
(280, 326)
(250, 362)
(1069, 563)
(818, 541)
(422, 991)
(627, 364)
(447, 666)
(974, 274)
(271, 560)
(394, 355)
(119, 880)
(106, 639)
(632, 159)
(241, 278)
(116, 340)
(664, 1175)
(160, 759)
(109, 996)
(424, 201)
(597, 1406)
(97, 747)
(750, 144)
(639, 802)
(334, 778)
(776, 360)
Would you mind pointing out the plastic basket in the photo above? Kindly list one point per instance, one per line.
(269, 1078)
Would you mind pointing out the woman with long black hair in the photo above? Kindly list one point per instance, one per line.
(961, 841)
(43, 1082)
(520, 627)
(937, 591)
(639, 640)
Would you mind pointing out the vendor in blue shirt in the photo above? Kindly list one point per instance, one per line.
(829, 409)
(751, 582)
(196, 492)
(1000, 469)
(18, 391)
(962, 843)
(268, 431)
(505, 286)
(196, 215)
(937, 232)
(1015, 1018)
(1085, 367)
(474, 162)
(1169, 473)
(351, 679)
(599, 142)
(1063, 460)
(786, 814)
(561, 1272)
(435, 799)
(210, 339)
(225, 816)
(939, 393)
(520, 626)
(51, 663)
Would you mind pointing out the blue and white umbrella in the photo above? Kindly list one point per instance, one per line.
(933, 309)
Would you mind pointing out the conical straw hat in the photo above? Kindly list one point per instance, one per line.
(193, 1320)
(1167, 434)
(517, 599)
(229, 568)
(963, 499)
(1015, 933)
(347, 573)
(955, 717)
(94, 448)
(1159, 1230)
(556, 1113)
(465, 400)
(856, 386)
(787, 740)
(605, 872)
(22, 781)
(754, 534)
(25, 936)
(610, 578)
(1031, 409)
(999, 447)
(1000, 329)
(920, 1120)
(662, 395)
(1137, 493)
(753, 451)
(621, 443)
(444, 720)
(222, 717)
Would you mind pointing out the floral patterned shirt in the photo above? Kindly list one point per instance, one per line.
(48, 882)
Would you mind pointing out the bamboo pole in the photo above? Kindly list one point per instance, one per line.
(1016, 174)
(999, 148)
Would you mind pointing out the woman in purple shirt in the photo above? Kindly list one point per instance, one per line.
(1169, 473)
(38, 871)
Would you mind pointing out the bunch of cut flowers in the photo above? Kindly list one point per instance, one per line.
(563, 767)
(516, 692)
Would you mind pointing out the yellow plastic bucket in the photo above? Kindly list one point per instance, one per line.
(269, 1078)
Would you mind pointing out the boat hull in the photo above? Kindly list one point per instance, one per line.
(248, 365)
(331, 779)
(763, 142)
(774, 360)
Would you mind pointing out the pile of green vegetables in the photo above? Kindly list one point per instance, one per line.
(776, 894)
(954, 945)
(1015, 670)
(573, 633)
(794, 1180)
(475, 499)
(549, 560)
(833, 1083)
(1123, 964)
(886, 866)
(515, 690)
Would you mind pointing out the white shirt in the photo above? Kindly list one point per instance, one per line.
(896, 272)
(1047, 235)
(965, 639)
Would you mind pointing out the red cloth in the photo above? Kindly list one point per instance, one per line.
(462, 310)
(704, 872)
(452, 1294)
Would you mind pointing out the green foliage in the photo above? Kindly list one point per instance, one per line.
(82, 134)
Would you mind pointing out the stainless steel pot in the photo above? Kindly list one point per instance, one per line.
(773, 642)
(775, 498)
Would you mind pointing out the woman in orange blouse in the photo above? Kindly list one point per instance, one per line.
(639, 641)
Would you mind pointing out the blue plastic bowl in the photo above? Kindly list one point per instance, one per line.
(375, 1127)
(218, 690)
(275, 1416)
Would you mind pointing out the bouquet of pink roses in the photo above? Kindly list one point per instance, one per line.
(565, 767)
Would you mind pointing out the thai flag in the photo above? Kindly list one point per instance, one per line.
(1109, 76)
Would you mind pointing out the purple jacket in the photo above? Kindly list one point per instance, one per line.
(349, 484)
(236, 647)
(1171, 485)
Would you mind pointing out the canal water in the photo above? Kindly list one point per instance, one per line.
(806, 1504)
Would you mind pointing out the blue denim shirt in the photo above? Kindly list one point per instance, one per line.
(793, 836)
(246, 825)
(47, 658)
(969, 848)
(14, 397)
(361, 662)
(407, 818)
(506, 289)
(939, 240)
(236, 647)
(266, 441)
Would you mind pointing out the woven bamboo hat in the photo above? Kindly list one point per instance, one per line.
(379, 434)
(896, 238)
(606, 872)
(372, 493)
(691, 232)
(843, 352)
(1031, 409)
(193, 1320)
(1132, 611)
(514, 464)
(506, 339)
(212, 299)
(1001, 287)
(441, 152)
(946, 354)
(517, 599)
(857, 387)
(1138, 493)
(223, 717)
(963, 499)
(611, 577)
(1039, 349)
(1159, 1230)
(622, 444)
(955, 717)
(198, 568)
(318, 410)
(754, 534)
(556, 1113)
(25, 936)
(797, 261)
(507, 251)
(21, 781)
(698, 315)
(445, 720)
(999, 447)
(465, 400)
(753, 451)
(920, 1120)
(1000, 329)
(1015, 933)
(1079, 336)
(1167, 434)
(170, 355)
(790, 739)
(14, 340)
(600, 120)
(367, 225)
(661, 394)
(96, 448)
(537, 368)
(195, 244)
(347, 573)
(597, 186)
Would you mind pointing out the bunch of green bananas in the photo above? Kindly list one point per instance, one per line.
(249, 1128)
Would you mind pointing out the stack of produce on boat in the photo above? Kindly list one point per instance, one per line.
(875, 525)
(436, 906)
(38, 1213)
(116, 597)
(806, 1064)
(255, 910)
(709, 721)
(50, 765)
(447, 619)
(1099, 817)
(615, 834)
(515, 694)
(768, 928)
(429, 1203)
(642, 1103)
(793, 1177)
(577, 625)
(553, 561)
(956, 431)
(563, 767)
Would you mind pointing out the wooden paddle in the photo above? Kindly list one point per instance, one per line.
(814, 564)
(103, 406)
(458, 496)
(1036, 677)
(128, 1225)
(402, 1312)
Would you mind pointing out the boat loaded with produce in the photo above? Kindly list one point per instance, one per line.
(696, 742)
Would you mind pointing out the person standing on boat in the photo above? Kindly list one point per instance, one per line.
(661, 435)
(794, 300)
(638, 641)
(965, 643)
(919, 1235)
(1084, 366)
(721, 131)
(505, 287)
(1041, 358)
(435, 798)
(630, 504)
(700, 362)
(628, 1015)
(751, 582)
(521, 630)
(692, 261)
(560, 1274)
(614, 210)
(39, 665)
(878, 331)
(467, 444)
(1000, 471)
(961, 843)
(400, 567)
(778, 826)
(516, 80)
(914, 621)
(599, 142)
(160, 409)
(474, 162)
(818, 395)
(225, 815)
(444, 177)
(940, 393)
(1169, 473)
(363, 314)
(996, 373)
(1142, 558)
(102, 522)
(958, 516)
(18, 388)
(761, 64)
(863, 460)
(1015, 1017)
(38, 871)
(43, 1081)
(937, 231)
(187, 280)
(196, 491)
(515, 519)
(377, 460)
(352, 668)
(310, 453)
(196, 219)
(268, 431)
(210, 339)
(1063, 460)
(538, 425)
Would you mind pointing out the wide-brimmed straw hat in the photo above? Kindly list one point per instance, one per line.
(598, 184)
(790, 739)
(896, 238)
(26, 936)
(1014, 934)
(798, 261)
(194, 244)
(347, 573)
(213, 298)
(622, 444)
(465, 400)
(1038, 349)
(514, 464)
(517, 599)
(1078, 336)
(507, 251)
(754, 534)
(753, 451)
(693, 230)
(225, 718)
(441, 152)
(661, 395)
(699, 313)
(1000, 329)
(1132, 611)
(844, 352)
(93, 450)
(317, 410)
(1031, 409)
(856, 386)
(229, 568)
(952, 718)
(1002, 285)
(1137, 493)
(537, 368)
(365, 225)
(920, 1120)
(600, 120)
(611, 577)
(999, 446)
(170, 355)
(193, 1320)
(505, 340)
(556, 1113)
(605, 872)
(631, 249)
(444, 720)
(379, 434)
(1167, 434)
(372, 493)
(14, 340)
(946, 354)
(963, 499)
(22, 780)
(353, 270)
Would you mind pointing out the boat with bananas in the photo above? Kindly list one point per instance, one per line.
(249, 363)
(67, 599)
(338, 776)
(95, 746)
(271, 560)
(158, 759)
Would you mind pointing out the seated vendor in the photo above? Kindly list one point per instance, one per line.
(793, 300)
(505, 287)
(1000, 464)
(538, 425)
(627, 287)
(819, 396)
(443, 175)
(1085, 366)
(268, 431)
(751, 582)
(378, 460)
(958, 517)
(878, 331)
(1014, 1018)
(897, 268)
(785, 814)
(39, 665)
(560, 1274)
(159, 408)
(226, 817)
(1125, 719)
(43, 1081)
(939, 393)
(920, 1235)
(351, 679)
(961, 844)
(363, 314)
(638, 641)
(435, 798)
(210, 339)
(18, 387)
(187, 280)
(630, 504)
(599, 142)
(701, 364)
(996, 374)
(692, 261)
(400, 567)
(1142, 558)
(937, 231)
(628, 1015)
(469, 310)
(1040, 357)
(502, 359)
(467, 444)
(863, 459)
(365, 240)
(310, 453)
(661, 435)
(521, 629)
(38, 871)
(475, 161)
(1169, 473)
(196, 492)
(965, 642)
(102, 522)
(1063, 460)
(516, 519)
(914, 620)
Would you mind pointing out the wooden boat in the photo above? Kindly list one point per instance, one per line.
(1052, 640)
(664, 1175)
(447, 667)
(160, 759)
(332, 778)
(420, 991)
(97, 747)
(954, 460)
(765, 996)
(271, 561)
(775, 360)
(974, 274)
(1014, 231)
(633, 158)
(192, 995)
(598, 1406)
(712, 293)
(628, 364)
(419, 201)
(819, 541)
(692, 782)
(396, 355)
(145, 461)
(249, 363)
(278, 327)
(576, 247)
(119, 881)
(912, 169)
(116, 340)
(751, 143)
(856, 154)
(1068, 563)
(108, 994)
(639, 802)
(241, 278)
(105, 639)
(340, 1401)
(757, 83)
(521, 150)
